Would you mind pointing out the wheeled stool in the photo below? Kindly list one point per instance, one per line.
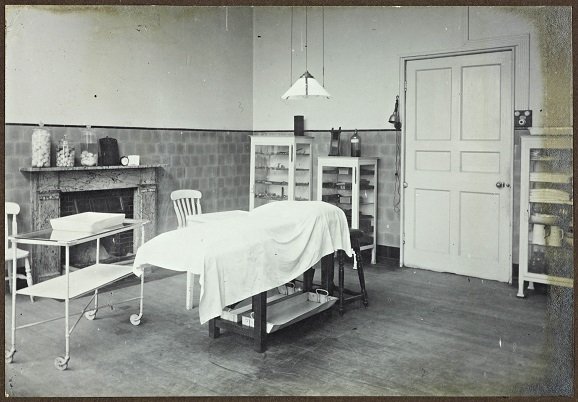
(355, 236)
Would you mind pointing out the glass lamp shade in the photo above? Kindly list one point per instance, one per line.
(305, 87)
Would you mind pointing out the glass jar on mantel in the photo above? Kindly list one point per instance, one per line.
(65, 153)
(88, 148)
(41, 147)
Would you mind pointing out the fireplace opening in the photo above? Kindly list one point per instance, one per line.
(115, 248)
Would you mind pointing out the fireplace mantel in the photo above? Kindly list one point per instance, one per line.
(88, 168)
(47, 184)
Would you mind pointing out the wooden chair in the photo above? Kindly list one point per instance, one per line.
(186, 203)
(11, 210)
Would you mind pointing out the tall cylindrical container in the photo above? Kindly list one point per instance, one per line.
(88, 148)
(64, 153)
(355, 142)
(40, 147)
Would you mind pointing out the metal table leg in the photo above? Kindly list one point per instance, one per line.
(135, 318)
(61, 363)
(91, 314)
(9, 354)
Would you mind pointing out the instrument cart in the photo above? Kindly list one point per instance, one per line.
(76, 283)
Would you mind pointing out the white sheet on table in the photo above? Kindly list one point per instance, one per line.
(243, 256)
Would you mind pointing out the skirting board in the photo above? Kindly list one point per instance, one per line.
(388, 252)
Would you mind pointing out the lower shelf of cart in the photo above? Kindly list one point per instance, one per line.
(548, 279)
(80, 282)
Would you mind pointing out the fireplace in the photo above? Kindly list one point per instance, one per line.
(59, 191)
(114, 248)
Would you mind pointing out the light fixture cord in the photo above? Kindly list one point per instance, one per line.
(306, 69)
(323, 44)
(291, 51)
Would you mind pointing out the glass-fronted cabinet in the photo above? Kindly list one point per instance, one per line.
(281, 169)
(546, 211)
(351, 184)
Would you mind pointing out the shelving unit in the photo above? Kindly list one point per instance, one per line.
(281, 169)
(351, 184)
(76, 283)
(546, 211)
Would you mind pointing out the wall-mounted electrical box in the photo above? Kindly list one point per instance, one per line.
(522, 118)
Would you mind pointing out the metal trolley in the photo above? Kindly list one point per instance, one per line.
(76, 283)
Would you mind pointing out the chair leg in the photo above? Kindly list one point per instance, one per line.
(341, 281)
(361, 276)
(28, 275)
(9, 269)
(189, 291)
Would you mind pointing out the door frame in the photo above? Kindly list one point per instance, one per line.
(519, 48)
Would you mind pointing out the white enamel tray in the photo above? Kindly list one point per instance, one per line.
(87, 222)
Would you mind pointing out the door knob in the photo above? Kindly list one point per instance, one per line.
(501, 184)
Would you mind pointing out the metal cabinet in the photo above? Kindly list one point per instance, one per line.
(546, 211)
(351, 184)
(281, 169)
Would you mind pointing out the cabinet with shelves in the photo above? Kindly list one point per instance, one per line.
(351, 184)
(281, 169)
(546, 211)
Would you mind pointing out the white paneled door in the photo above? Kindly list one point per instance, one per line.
(458, 149)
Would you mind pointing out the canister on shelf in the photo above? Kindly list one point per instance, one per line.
(64, 153)
(355, 142)
(40, 147)
(88, 148)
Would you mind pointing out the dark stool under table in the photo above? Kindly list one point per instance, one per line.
(355, 236)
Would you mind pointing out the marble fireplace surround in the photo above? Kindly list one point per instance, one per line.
(47, 184)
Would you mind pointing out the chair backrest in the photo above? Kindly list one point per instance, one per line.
(186, 202)
(11, 209)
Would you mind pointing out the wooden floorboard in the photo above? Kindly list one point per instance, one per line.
(424, 333)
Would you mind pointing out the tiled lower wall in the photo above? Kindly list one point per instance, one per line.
(217, 163)
(214, 162)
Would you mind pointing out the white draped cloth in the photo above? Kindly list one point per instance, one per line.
(240, 257)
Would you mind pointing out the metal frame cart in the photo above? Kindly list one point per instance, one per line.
(76, 283)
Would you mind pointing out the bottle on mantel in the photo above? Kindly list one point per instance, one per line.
(64, 153)
(355, 143)
(88, 148)
(40, 147)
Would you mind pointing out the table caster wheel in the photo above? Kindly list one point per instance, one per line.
(135, 319)
(90, 315)
(9, 355)
(366, 304)
(61, 363)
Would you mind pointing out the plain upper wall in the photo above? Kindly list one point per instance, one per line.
(130, 66)
(227, 67)
(360, 49)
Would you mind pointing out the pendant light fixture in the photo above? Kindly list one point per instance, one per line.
(306, 86)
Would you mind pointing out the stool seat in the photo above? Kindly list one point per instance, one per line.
(354, 235)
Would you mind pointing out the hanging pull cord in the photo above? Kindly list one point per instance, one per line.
(291, 52)
(323, 45)
(306, 65)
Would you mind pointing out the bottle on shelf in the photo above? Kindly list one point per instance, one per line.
(40, 147)
(64, 153)
(355, 142)
(88, 148)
